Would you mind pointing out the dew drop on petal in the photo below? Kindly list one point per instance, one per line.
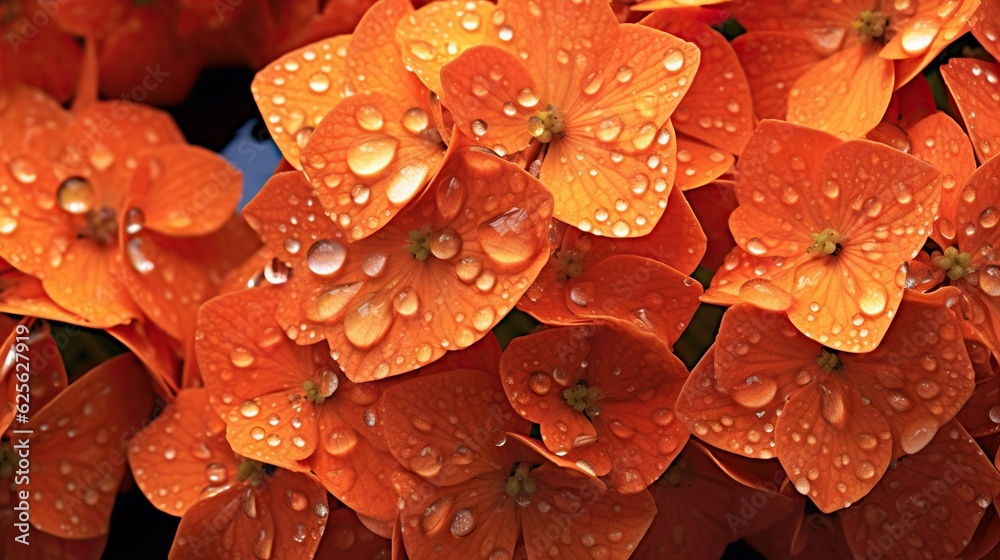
(75, 195)
(372, 155)
(325, 257)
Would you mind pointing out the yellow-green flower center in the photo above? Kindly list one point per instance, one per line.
(253, 472)
(954, 263)
(871, 25)
(583, 399)
(828, 361)
(546, 125)
(520, 486)
(826, 242)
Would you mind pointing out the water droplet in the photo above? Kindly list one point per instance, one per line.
(406, 302)
(873, 300)
(325, 257)
(917, 435)
(407, 182)
(241, 357)
(463, 523)
(471, 21)
(249, 409)
(75, 195)
(296, 500)
(366, 324)
(920, 34)
(479, 127)
(372, 155)
(341, 440)
(415, 120)
(506, 238)
(319, 82)
(527, 98)
(369, 118)
(673, 60)
(756, 246)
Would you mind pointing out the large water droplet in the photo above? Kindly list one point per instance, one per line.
(340, 441)
(369, 118)
(506, 238)
(873, 300)
(367, 324)
(326, 257)
(463, 523)
(917, 435)
(75, 195)
(372, 155)
(406, 182)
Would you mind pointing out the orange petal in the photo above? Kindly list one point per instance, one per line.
(481, 356)
(87, 451)
(911, 103)
(649, 5)
(831, 414)
(609, 523)
(88, 283)
(951, 475)
(634, 437)
(346, 537)
(845, 94)
(718, 108)
(491, 95)
(922, 275)
(251, 369)
(977, 414)
(712, 206)
(773, 61)
(477, 508)
(421, 434)
(775, 171)
(756, 280)
(625, 195)
(184, 190)
(985, 22)
(182, 456)
(698, 163)
(296, 91)
(352, 460)
(920, 374)
(287, 513)
(370, 156)
(689, 526)
(940, 141)
(951, 29)
(726, 412)
(440, 32)
(973, 84)
(28, 117)
(636, 293)
(374, 59)
(379, 307)
(154, 350)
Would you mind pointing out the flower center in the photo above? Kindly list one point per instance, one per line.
(828, 361)
(679, 473)
(826, 242)
(546, 125)
(420, 243)
(954, 263)
(101, 225)
(584, 399)
(520, 486)
(569, 263)
(253, 472)
(316, 393)
(871, 25)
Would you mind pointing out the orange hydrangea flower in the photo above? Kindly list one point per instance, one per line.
(932, 500)
(484, 485)
(597, 101)
(437, 278)
(765, 390)
(230, 506)
(291, 406)
(603, 398)
(972, 264)
(355, 120)
(117, 217)
(834, 66)
(833, 224)
(639, 282)
(77, 446)
(707, 499)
